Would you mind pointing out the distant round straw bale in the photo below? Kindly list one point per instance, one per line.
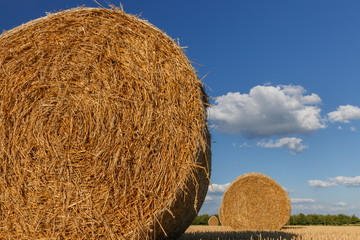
(255, 201)
(213, 221)
(103, 130)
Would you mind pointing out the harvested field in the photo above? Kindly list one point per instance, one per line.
(288, 232)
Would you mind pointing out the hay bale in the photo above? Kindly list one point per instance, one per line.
(103, 131)
(255, 201)
(213, 221)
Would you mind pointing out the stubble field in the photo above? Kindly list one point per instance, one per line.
(288, 232)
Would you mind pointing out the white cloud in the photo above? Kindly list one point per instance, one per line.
(308, 207)
(213, 198)
(339, 127)
(267, 111)
(344, 114)
(341, 204)
(209, 198)
(245, 145)
(353, 129)
(292, 144)
(346, 181)
(242, 145)
(320, 183)
(302, 200)
(325, 208)
(218, 187)
(340, 180)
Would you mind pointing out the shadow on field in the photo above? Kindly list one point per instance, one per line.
(262, 235)
(293, 227)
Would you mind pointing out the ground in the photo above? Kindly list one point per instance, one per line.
(288, 232)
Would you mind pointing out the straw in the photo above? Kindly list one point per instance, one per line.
(103, 131)
(213, 221)
(255, 201)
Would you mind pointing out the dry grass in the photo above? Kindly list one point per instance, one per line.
(103, 131)
(288, 232)
(255, 201)
(213, 221)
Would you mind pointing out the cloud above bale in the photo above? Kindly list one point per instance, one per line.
(293, 144)
(267, 111)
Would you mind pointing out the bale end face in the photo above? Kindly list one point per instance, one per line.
(213, 221)
(255, 201)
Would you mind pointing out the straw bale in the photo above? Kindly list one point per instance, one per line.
(255, 201)
(103, 131)
(213, 221)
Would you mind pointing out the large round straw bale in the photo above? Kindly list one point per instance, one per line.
(103, 131)
(213, 221)
(255, 201)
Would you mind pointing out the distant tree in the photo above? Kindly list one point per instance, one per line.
(329, 220)
(201, 220)
(342, 219)
(315, 219)
(302, 219)
(354, 220)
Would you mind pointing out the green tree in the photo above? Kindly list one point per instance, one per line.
(342, 219)
(315, 219)
(354, 220)
(201, 220)
(302, 219)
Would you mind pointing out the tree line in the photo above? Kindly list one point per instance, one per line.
(202, 219)
(315, 219)
(300, 219)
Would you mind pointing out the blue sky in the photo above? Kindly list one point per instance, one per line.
(284, 81)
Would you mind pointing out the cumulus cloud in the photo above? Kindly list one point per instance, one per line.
(245, 145)
(218, 187)
(325, 208)
(209, 198)
(292, 144)
(267, 111)
(213, 198)
(320, 183)
(344, 114)
(302, 200)
(341, 204)
(309, 207)
(340, 180)
(346, 181)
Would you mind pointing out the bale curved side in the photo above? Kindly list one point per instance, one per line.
(103, 130)
(254, 201)
(188, 201)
